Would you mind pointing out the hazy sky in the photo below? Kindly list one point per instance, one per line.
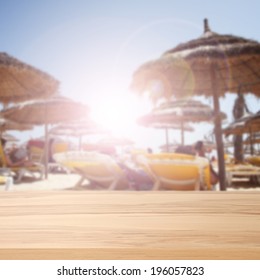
(93, 47)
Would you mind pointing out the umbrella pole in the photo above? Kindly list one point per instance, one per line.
(251, 142)
(167, 140)
(218, 131)
(182, 133)
(46, 158)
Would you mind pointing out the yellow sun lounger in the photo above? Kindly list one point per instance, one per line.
(21, 171)
(98, 169)
(36, 155)
(177, 171)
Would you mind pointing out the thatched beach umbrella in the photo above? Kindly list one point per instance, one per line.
(248, 124)
(149, 121)
(38, 112)
(254, 122)
(179, 112)
(10, 125)
(44, 112)
(241, 126)
(20, 81)
(78, 129)
(211, 65)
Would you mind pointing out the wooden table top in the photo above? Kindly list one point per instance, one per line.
(129, 225)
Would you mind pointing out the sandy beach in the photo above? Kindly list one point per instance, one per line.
(48, 220)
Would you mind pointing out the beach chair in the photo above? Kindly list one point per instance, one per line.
(22, 171)
(36, 154)
(240, 171)
(53, 165)
(99, 170)
(177, 171)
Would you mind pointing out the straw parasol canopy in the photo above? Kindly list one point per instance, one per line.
(241, 126)
(186, 69)
(50, 111)
(185, 110)
(10, 125)
(211, 65)
(78, 129)
(254, 122)
(179, 112)
(149, 121)
(44, 112)
(249, 123)
(20, 81)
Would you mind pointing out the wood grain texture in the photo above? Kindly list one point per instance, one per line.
(129, 225)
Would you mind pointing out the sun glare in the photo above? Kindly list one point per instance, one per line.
(118, 114)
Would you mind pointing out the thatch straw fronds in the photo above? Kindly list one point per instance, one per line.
(250, 123)
(78, 128)
(55, 110)
(10, 125)
(186, 69)
(20, 81)
(180, 111)
(176, 114)
(254, 122)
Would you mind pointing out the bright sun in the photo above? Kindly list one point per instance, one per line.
(116, 114)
